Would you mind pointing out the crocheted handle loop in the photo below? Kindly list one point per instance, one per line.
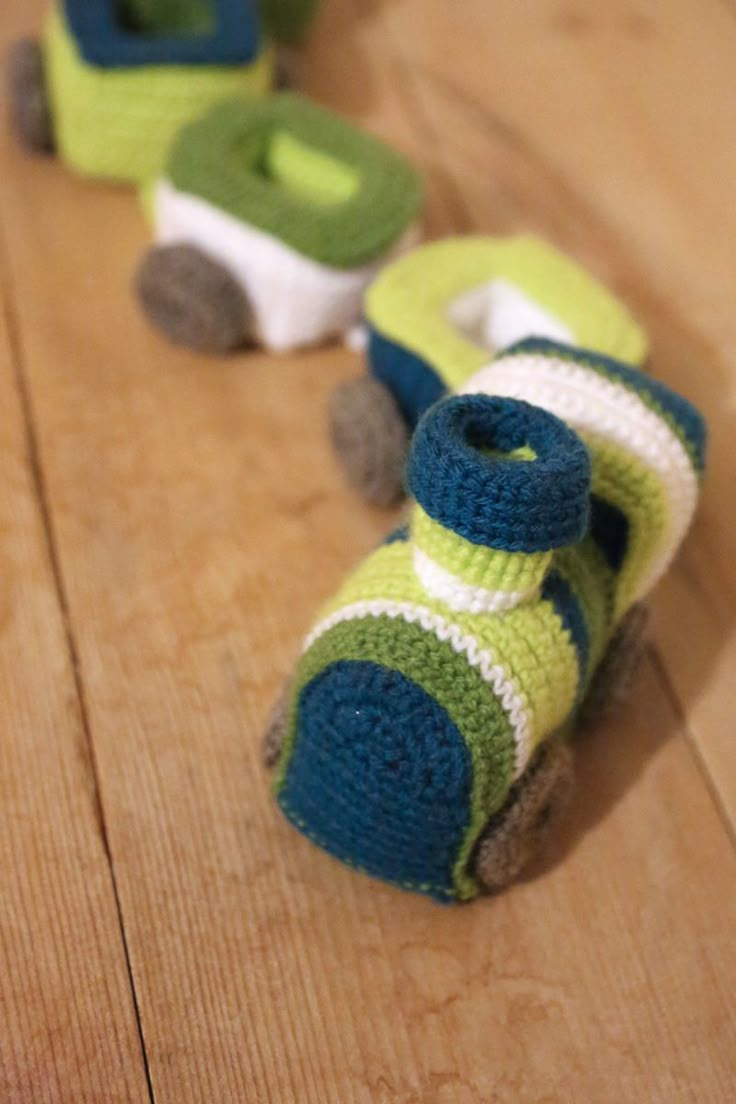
(501, 473)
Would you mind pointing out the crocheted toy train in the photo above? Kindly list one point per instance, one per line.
(111, 81)
(435, 317)
(425, 737)
(271, 219)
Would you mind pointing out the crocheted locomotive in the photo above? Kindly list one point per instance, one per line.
(271, 219)
(436, 316)
(424, 739)
(111, 81)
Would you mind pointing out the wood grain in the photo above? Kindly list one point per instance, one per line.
(200, 520)
(67, 1021)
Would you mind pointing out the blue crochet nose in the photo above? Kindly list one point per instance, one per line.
(380, 776)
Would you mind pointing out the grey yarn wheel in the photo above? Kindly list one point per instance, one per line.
(532, 810)
(612, 682)
(275, 734)
(29, 106)
(370, 438)
(193, 299)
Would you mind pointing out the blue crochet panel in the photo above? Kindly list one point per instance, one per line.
(558, 591)
(494, 500)
(104, 41)
(412, 381)
(380, 776)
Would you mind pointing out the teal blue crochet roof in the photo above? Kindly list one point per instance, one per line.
(296, 171)
(113, 34)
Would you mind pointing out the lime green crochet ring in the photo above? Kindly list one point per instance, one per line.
(438, 314)
(454, 302)
(119, 123)
(292, 169)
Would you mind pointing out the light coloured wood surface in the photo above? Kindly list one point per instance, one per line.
(67, 1023)
(198, 519)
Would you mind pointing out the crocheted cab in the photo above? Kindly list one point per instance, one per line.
(112, 81)
(425, 737)
(298, 208)
(437, 315)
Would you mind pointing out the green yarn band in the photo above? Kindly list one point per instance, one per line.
(475, 564)
(584, 568)
(301, 174)
(119, 123)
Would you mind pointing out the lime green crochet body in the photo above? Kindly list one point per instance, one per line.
(119, 123)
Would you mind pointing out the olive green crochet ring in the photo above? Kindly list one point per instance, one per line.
(300, 173)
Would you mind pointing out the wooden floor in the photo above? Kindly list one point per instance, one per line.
(168, 525)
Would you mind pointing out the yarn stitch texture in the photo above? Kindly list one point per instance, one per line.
(369, 770)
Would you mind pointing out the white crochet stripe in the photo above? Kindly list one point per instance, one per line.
(499, 313)
(502, 681)
(589, 402)
(459, 595)
(295, 300)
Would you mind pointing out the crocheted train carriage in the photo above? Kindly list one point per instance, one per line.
(111, 81)
(271, 219)
(425, 736)
(436, 316)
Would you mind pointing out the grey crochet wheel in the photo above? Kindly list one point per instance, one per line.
(275, 734)
(613, 680)
(371, 439)
(193, 299)
(29, 107)
(532, 810)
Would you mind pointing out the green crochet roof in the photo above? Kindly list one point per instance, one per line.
(294, 170)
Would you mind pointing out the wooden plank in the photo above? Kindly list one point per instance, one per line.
(67, 1022)
(200, 521)
(598, 142)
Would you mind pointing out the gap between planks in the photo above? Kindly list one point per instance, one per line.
(38, 484)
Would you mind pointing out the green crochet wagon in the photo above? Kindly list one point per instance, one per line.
(271, 218)
(438, 315)
(110, 82)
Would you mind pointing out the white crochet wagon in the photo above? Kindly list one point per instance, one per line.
(271, 219)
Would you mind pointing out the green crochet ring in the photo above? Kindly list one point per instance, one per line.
(301, 174)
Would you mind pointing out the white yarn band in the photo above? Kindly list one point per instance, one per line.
(462, 596)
